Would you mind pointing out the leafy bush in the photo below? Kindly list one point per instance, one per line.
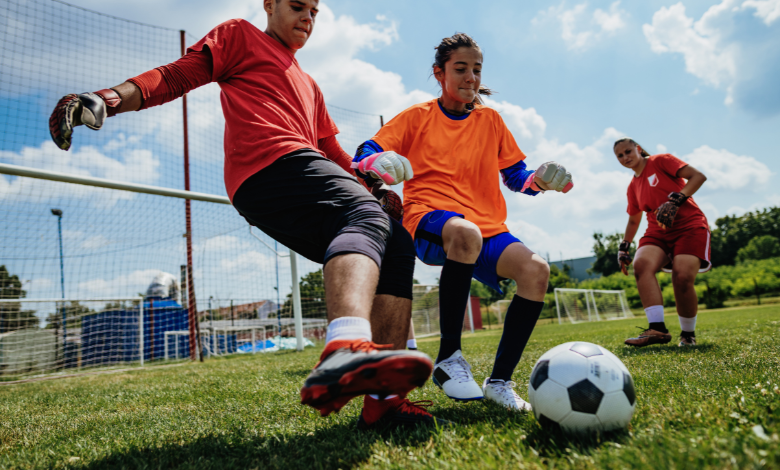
(761, 247)
(733, 232)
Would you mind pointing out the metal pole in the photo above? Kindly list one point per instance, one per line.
(296, 292)
(211, 316)
(558, 307)
(58, 213)
(141, 331)
(194, 328)
(471, 316)
(278, 293)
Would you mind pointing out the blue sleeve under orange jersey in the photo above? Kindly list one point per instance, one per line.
(514, 176)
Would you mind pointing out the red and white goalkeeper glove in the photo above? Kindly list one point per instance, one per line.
(386, 166)
(624, 256)
(90, 109)
(667, 211)
(552, 176)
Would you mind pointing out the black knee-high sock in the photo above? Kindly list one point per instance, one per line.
(454, 289)
(521, 317)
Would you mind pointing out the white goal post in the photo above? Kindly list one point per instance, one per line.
(580, 305)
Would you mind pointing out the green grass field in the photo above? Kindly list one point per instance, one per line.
(697, 408)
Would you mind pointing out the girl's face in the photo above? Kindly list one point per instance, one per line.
(461, 76)
(628, 154)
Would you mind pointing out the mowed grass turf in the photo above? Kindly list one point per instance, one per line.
(696, 408)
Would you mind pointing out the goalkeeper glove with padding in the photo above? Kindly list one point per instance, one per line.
(667, 211)
(552, 176)
(389, 199)
(89, 109)
(387, 166)
(624, 256)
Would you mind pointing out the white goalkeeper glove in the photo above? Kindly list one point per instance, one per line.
(387, 166)
(552, 176)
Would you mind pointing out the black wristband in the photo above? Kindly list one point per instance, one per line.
(624, 246)
(677, 198)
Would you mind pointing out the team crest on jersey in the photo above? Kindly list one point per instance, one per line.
(653, 180)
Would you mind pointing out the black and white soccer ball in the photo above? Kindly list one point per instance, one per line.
(581, 388)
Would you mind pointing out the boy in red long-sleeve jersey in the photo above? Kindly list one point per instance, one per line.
(286, 174)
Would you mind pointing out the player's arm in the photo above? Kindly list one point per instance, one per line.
(333, 151)
(149, 89)
(624, 250)
(695, 179)
(371, 161)
(549, 176)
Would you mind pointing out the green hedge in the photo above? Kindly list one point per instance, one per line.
(748, 279)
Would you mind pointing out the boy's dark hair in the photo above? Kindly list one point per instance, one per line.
(449, 45)
(643, 152)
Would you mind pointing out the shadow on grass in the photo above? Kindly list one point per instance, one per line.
(552, 442)
(339, 446)
(666, 349)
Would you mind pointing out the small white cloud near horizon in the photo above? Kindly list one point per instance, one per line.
(726, 170)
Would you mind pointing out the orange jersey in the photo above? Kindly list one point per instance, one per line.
(456, 163)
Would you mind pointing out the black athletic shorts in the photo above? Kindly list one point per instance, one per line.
(312, 206)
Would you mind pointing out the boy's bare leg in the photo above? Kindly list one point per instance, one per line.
(390, 320)
(350, 283)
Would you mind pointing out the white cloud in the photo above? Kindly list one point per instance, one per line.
(96, 241)
(767, 10)
(725, 170)
(661, 148)
(137, 165)
(699, 43)
(526, 124)
(580, 28)
(127, 285)
(739, 57)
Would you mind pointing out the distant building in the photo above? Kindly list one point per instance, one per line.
(258, 310)
(578, 267)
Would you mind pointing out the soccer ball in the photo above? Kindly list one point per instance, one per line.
(581, 388)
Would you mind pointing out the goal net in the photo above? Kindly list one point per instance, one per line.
(49, 335)
(425, 310)
(580, 305)
(80, 241)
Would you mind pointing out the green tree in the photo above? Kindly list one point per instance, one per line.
(559, 278)
(606, 248)
(761, 247)
(312, 288)
(734, 232)
(12, 317)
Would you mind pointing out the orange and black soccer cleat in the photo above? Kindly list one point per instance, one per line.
(396, 411)
(349, 368)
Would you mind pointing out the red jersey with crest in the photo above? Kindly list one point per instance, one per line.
(651, 189)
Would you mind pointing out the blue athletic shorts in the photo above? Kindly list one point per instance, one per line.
(430, 247)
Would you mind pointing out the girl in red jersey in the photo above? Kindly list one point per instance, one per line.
(454, 208)
(677, 239)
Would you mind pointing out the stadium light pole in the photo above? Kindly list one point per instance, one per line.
(58, 214)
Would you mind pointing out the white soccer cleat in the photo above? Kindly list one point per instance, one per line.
(453, 376)
(504, 394)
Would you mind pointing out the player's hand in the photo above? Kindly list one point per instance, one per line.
(389, 199)
(624, 256)
(89, 109)
(387, 166)
(552, 176)
(667, 211)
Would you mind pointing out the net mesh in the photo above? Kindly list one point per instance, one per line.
(114, 243)
(425, 310)
(581, 305)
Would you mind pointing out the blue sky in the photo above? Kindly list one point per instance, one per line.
(697, 79)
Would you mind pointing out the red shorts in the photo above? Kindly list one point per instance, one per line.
(694, 241)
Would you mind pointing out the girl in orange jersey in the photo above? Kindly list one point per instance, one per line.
(454, 208)
(677, 238)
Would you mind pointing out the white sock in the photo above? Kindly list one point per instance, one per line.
(376, 397)
(655, 314)
(688, 324)
(349, 328)
(411, 343)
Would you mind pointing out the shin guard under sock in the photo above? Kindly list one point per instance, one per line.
(521, 318)
(454, 292)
